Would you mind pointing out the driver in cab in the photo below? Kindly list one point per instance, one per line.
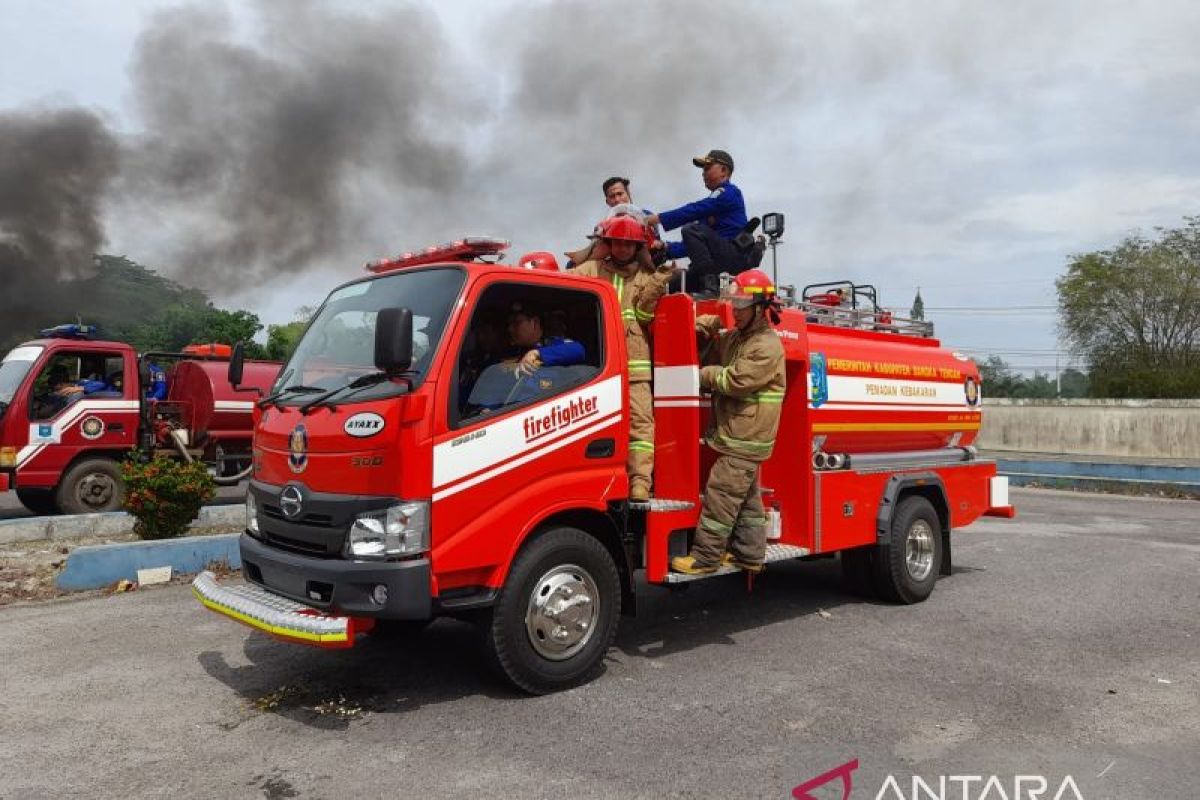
(527, 369)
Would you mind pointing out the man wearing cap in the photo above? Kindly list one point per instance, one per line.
(709, 225)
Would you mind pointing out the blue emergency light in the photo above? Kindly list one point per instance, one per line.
(70, 331)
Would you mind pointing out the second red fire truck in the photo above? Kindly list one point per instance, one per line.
(401, 473)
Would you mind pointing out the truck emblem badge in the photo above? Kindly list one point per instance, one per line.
(818, 380)
(92, 428)
(291, 502)
(972, 390)
(298, 449)
(364, 424)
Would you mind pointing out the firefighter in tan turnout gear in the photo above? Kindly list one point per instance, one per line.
(622, 258)
(747, 384)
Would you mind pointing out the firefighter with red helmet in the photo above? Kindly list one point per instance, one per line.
(626, 264)
(747, 379)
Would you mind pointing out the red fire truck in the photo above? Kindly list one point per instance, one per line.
(397, 478)
(72, 406)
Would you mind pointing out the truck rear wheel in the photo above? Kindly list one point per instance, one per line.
(39, 501)
(92, 485)
(556, 615)
(907, 566)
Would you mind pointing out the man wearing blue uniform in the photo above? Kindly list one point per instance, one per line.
(529, 368)
(709, 225)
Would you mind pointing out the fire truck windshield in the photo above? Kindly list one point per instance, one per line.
(13, 370)
(339, 345)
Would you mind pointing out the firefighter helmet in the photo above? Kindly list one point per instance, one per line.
(539, 259)
(749, 288)
(623, 229)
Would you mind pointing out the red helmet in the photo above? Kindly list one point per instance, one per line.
(752, 287)
(623, 229)
(539, 259)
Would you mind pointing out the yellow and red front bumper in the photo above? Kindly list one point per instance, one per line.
(278, 616)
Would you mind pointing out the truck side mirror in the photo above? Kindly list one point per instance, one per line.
(237, 362)
(394, 340)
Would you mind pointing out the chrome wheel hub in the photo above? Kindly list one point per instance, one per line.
(96, 490)
(562, 612)
(918, 550)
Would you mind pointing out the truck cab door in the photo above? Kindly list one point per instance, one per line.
(514, 447)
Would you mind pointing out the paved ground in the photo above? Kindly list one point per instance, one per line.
(1066, 642)
(11, 508)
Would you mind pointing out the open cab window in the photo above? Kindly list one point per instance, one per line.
(494, 372)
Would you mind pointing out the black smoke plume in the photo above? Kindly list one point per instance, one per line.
(55, 167)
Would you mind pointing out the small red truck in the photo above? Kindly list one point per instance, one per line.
(72, 406)
(397, 478)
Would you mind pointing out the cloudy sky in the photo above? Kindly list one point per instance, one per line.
(268, 149)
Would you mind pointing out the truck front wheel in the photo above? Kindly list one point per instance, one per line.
(556, 615)
(92, 485)
(907, 566)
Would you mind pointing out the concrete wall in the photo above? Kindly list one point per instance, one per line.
(1120, 428)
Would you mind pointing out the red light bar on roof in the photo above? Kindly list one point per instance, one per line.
(466, 249)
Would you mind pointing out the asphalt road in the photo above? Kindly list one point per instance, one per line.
(11, 508)
(1065, 643)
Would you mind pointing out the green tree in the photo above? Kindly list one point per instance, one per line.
(180, 325)
(918, 307)
(282, 339)
(1040, 385)
(1133, 314)
(998, 378)
(1073, 382)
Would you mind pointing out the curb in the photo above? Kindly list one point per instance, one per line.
(1099, 476)
(97, 565)
(34, 529)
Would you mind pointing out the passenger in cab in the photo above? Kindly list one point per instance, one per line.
(745, 373)
(627, 265)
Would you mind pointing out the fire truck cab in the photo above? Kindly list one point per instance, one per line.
(404, 469)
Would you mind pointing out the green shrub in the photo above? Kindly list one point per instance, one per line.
(164, 494)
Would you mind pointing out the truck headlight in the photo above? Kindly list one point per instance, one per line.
(399, 530)
(251, 513)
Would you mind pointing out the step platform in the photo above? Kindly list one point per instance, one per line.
(775, 552)
(278, 616)
(658, 504)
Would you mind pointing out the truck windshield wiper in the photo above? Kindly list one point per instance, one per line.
(297, 389)
(361, 382)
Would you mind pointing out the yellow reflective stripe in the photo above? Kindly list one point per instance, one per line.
(723, 380)
(639, 363)
(766, 397)
(643, 316)
(715, 526)
(641, 447)
(744, 444)
(267, 627)
(619, 284)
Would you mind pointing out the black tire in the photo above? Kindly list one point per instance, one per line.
(857, 570)
(39, 501)
(558, 560)
(907, 567)
(90, 486)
